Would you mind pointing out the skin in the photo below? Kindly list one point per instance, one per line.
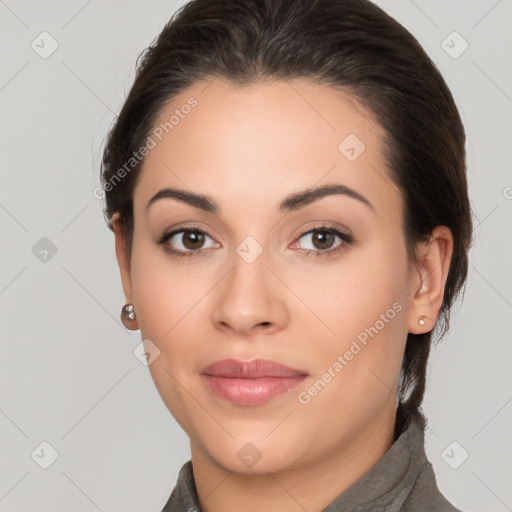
(248, 148)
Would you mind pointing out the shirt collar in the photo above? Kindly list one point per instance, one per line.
(389, 482)
(383, 488)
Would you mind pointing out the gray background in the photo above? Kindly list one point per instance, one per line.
(68, 373)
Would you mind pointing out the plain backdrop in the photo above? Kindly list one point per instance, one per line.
(73, 396)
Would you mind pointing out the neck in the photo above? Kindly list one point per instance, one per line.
(308, 487)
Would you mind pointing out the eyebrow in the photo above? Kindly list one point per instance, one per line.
(292, 202)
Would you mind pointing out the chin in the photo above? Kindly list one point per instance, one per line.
(252, 458)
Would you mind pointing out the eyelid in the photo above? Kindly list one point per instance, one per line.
(186, 226)
(326, 226)
(329, 227)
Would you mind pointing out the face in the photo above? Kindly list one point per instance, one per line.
(320, 284)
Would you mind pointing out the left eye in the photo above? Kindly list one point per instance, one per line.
(323, 240)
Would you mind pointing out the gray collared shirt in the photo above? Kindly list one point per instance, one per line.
(402, 480)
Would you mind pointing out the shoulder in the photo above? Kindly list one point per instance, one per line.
(425, 494)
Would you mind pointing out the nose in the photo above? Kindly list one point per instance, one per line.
(250, 300)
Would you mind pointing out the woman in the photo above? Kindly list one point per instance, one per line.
(286, 184)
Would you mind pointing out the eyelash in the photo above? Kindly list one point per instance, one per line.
(324, 228)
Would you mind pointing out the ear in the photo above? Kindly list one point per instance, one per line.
(428, 279)
(123, 259)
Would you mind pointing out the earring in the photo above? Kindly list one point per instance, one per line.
(128, 312)
(421, 321)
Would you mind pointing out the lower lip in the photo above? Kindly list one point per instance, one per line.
(251, 391)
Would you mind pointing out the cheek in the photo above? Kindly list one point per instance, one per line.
(352, 295)
(364, 305)
(164, 293)
(169, 299)
(166, 301)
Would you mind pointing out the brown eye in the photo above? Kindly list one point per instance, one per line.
(192, 239)
(186, 242)
(322, 240)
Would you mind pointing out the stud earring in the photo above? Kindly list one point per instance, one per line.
(128, 313)
(421, 322)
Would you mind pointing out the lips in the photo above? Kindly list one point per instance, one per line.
(255, 369)
(250, 382)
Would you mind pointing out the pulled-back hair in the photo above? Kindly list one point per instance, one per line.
(352, 46)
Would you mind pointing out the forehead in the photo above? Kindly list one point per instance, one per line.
(258, 143)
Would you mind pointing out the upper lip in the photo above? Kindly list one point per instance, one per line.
(257, 368)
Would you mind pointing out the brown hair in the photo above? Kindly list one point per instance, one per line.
(351, 45)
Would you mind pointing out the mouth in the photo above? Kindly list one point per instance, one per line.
(250, 382)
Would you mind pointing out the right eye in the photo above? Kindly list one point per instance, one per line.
(185, 242)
